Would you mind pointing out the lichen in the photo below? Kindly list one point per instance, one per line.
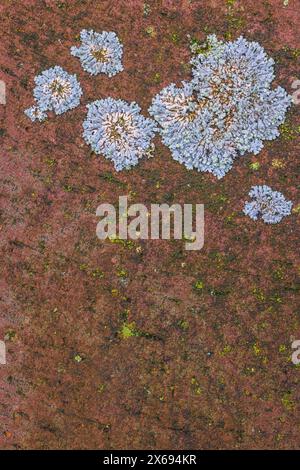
(226, 110)
(117, 130)
(99, 52)
(270, 205)
(55, 90)
(128, 330)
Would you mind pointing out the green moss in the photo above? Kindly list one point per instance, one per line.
(68, 188)
(30, 38)
(219, 292)
(217, 202)
(256, 349)
(61, 5)
(101, 388)
(198, 47)
(97, 273)
(83, 267)
(122, 273)
(42, 245)
(276, 298)
(183, 324)
(295, 53)
(289, 131)
(221, 260)
(10, 335)
(150, 31)
(146, 9)
(119, 241)
(258, 294)
(278, 274)
(226, 350)
(296, 209)
(249, 371)
(291, 52)
(50, 161)
(263, 325)
(287, 401)
(230, 219)
(196, 386)
(175, 38)
(124, 315)
(107, 176)
(156, 78)
(199, 285)
(254, 166)
(128, 330)
(277, 164)
(78, 358)
(235, 22)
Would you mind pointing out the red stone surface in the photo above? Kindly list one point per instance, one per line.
(206, 368)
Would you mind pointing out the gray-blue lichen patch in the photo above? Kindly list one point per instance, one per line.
(35, 114)
(267, 204)
(226, 110)
(99, 52)
(117, 130)
(55, 90)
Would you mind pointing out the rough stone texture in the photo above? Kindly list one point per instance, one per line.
(207, 367)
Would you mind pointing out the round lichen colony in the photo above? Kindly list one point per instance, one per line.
(226, 110)
(271, 206)
(99, 52)
(117, 130)
(55, 90)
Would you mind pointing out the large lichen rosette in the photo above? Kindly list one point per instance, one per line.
(117, 130)
(99, 52)
(55, 90)
(226, 110)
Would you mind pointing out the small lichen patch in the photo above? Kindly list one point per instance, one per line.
(196, 386)
(128, 330)
(199, 285)
(287, 401)
(78, 358)
(254, 166)
(277, 163)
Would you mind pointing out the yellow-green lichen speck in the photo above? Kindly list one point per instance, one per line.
(128, 330)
